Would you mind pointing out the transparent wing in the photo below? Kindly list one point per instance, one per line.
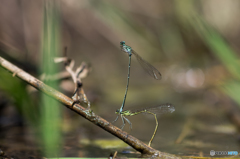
(152, 71)
(160, 109)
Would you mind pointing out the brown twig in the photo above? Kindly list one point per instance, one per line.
(89, 115)
(80, 73)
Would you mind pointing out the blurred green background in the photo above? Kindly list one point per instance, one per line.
(194, 44)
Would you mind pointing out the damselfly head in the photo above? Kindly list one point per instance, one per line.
(125, 48)
(122, 43)
(117, 111)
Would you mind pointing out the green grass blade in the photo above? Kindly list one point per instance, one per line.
(50, 109)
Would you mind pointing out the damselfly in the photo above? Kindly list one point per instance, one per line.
(152, 71)
(160, 109)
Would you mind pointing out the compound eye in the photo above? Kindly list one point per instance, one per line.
(122, 42)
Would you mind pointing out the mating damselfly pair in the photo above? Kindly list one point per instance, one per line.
(152, 71)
